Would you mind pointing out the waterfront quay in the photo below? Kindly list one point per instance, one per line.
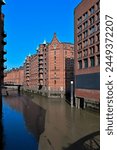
(38, 122)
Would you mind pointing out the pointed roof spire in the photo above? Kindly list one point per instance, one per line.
(55, 35)
(55, 38)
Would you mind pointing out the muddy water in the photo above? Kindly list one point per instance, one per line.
(32, 122)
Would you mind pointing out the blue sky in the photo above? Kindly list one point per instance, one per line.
(29, 22)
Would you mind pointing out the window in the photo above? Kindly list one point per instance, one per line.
(85, 24)
(92, 50)
(85, 33)
(92, 30)
(54, 81)
(80, 28)
(72, 53)
(80, 64)
(80, 37)
(54, 52)
(92, 10)
(85, 63)
(86, 15)
(79, 54)
(92, 20)
(92, 61)
(55, 74)
(92, 40)
(79, 20)
(54, 46)
(85, 43)
(85, 52)
(80, 46)
(54, 67)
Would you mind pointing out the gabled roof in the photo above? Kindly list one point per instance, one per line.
(55, 38)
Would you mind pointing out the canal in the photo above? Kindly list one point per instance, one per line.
(32, 122)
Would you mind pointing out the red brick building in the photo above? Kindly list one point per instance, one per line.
(87, 53)
(43, 66)
(31, 73)
(15, 76)
(34, 73)
(2, 43)
(27, 72)
(50, 71)
(60, 67)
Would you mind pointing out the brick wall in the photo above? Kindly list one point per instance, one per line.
(87, 42)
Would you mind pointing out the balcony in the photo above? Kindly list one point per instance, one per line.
(4, 34)
(40, 58)
(40, 62)
(40, 67)
(4, 59)
(4, 52)
(4, 42)
(41, 78)
(40, 72)
(3, 67)
(3, 2)
(40, 54)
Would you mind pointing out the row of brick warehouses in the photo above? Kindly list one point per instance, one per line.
(51, 70)
(2, 43)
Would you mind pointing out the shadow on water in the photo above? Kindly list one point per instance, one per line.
(1, 126)
(34, 115)
(89, 142)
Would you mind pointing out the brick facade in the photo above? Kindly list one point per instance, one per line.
(15, 76)
(34, 73)
(27, 73)
(50, 70)
(87, 52)
(60, 56)
(43, 66)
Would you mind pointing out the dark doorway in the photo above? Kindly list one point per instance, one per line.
(82, 103)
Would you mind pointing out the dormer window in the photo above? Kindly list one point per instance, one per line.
(54, 46)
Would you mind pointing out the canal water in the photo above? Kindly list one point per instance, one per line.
(32, 122)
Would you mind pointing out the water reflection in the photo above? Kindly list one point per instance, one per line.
(35, 122)
(23, 122)
(64, 125)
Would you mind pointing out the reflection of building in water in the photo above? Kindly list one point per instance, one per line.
(63, 125)
(1, 126)
(33, 114)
